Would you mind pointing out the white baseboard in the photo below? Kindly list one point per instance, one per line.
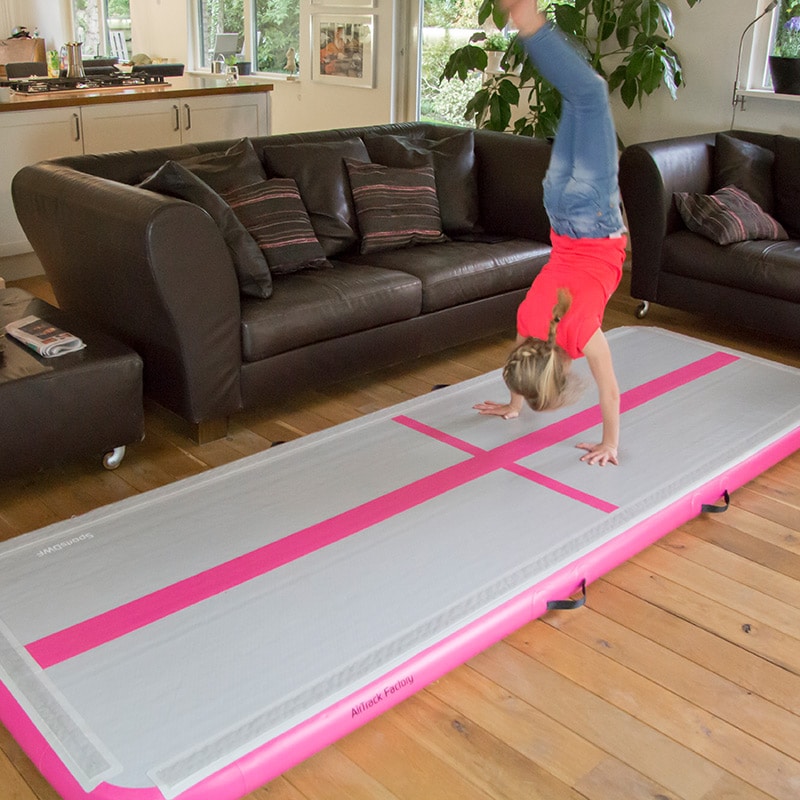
(24, 265)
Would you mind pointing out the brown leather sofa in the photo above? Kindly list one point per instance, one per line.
(155, 273)
(755, 283)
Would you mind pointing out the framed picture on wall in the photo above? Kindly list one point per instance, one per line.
(345, 52)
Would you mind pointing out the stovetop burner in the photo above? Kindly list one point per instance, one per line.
(43, 85)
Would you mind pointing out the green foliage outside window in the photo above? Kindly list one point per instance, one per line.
(787, 34)
(447, 24)
(625, 41)
(277, 28)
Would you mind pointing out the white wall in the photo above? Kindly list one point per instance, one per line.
(52, 17)
(707, 40)
(160, 29)
(304, 104)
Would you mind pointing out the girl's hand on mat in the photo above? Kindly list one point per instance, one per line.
(601, 454)
(504, 410)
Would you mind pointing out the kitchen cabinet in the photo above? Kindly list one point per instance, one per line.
(130, 126)
(227, 116)
(27, 137)
(32, 133)
(159, 123)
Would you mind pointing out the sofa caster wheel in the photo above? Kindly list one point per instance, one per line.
(113, 459)
(642, 309)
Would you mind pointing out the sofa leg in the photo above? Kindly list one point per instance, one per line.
(642, 309)
(209, 430)
(113, 458)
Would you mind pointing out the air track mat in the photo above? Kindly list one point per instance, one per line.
(196, 641)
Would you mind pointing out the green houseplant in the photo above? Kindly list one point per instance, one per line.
(784, 63)
(496, 42)
(626, 41)
(495, 45)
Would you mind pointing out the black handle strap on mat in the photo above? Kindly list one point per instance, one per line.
(710, 508)
(568, 605)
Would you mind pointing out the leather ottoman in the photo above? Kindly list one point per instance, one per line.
(85, 403)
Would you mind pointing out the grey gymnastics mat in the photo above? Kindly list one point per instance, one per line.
(198, 640)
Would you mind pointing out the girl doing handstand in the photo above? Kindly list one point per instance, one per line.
(560, 318)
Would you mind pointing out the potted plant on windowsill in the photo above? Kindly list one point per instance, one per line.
(784, 63)
(495, 45)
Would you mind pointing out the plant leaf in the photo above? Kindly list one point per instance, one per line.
(665, 12)
(508, 91)
(568, 19)
(499, 114)
(486, 8)
(629, 92)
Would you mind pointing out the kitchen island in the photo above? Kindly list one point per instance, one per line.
(182, 110)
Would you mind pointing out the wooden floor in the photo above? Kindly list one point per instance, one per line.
(679, 679)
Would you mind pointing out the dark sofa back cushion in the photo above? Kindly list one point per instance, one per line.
(320, 174)
(453, 161)
(745, 165)
(787, 183)
(228, 169)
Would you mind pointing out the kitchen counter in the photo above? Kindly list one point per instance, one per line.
(186, 86)
(100, 120)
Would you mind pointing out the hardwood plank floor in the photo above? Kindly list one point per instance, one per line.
(679, 680)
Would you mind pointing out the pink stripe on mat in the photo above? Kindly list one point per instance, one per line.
(117, 622)
(523, 472)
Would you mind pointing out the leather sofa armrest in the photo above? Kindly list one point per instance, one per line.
(649, 174)
(510, 174)
(159, 278)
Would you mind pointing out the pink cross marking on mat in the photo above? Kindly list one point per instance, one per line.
(117, 622)
(523, 472)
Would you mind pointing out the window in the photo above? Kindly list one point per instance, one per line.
(95, 22)
(447, 25)
(268, 30)
(756, 72)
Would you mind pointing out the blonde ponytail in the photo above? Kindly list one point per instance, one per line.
(536, 369)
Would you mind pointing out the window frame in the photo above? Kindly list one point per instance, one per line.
(249, 48)
(756, 77)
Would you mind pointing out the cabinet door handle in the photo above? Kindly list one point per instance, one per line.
(77, 120)
(188, 116)
(177, 118)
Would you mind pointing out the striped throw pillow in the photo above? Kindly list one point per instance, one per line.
(395, 207)
(727, 216)
(273, 213)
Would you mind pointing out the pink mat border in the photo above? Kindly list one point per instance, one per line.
(289, 749)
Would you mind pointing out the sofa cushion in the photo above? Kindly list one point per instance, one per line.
(319, 171)
(229, 169)
(395, 207)
(727, 216)
(459, 272)
(275, 217)
(745, 165)
(759, 267)
(315, 305)
(251, 267)
(787, 183)
(453, 160)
